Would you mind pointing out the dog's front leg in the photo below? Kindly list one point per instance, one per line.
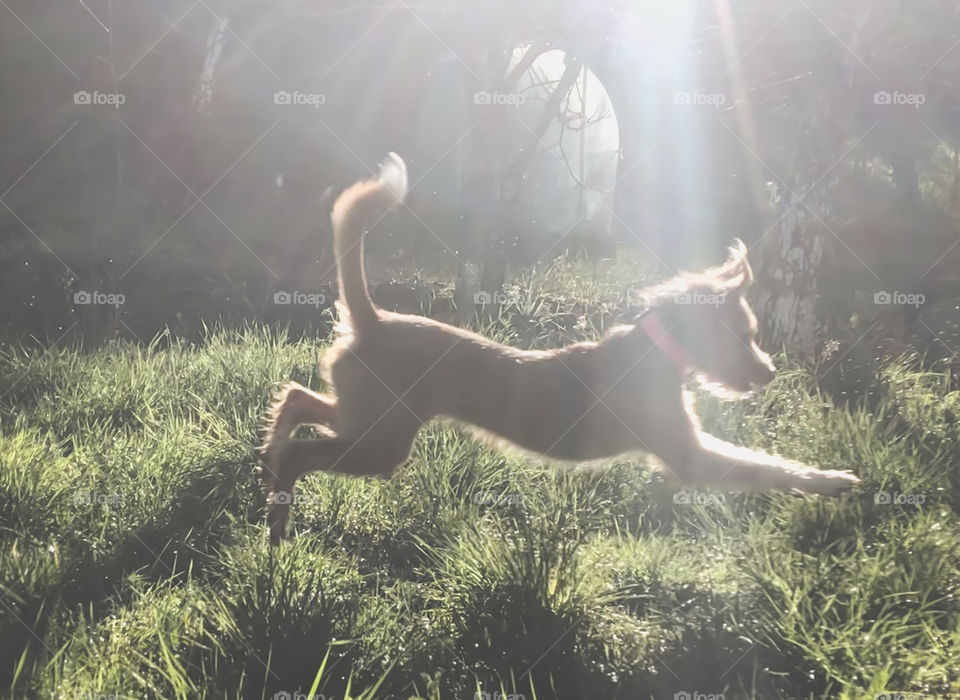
(696, 457)
(713, 461)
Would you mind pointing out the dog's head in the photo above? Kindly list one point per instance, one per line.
(709, 317)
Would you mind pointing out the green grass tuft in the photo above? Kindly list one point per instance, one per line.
(134, 560)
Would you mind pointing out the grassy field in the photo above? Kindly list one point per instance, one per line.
(134, 560)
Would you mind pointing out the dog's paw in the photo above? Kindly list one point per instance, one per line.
(265, 472)
(828, 482)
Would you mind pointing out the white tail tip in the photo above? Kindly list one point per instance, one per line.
(393, 175)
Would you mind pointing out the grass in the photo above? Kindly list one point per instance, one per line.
(134, 560)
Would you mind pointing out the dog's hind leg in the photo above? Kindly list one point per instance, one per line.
(378, 452)
(294, 405)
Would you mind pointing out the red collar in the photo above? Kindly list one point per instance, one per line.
(660, 335)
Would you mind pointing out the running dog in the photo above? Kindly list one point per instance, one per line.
(392, 373)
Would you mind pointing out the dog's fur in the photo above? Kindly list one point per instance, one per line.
(394, 372)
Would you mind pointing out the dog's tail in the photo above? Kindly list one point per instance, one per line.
(360, 206)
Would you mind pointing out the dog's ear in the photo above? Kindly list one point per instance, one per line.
(745, 269)
(747, 273)
(735, 274)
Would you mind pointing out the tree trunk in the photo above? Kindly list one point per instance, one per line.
(481, 265)
(788, 296)
(800, 241)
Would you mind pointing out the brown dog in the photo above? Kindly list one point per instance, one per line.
(393, 372)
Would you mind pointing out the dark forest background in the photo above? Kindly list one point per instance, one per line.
(823, 134)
